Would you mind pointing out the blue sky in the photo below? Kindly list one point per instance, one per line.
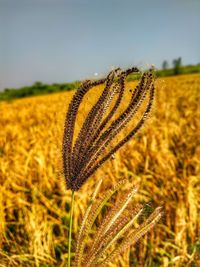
(66, 40)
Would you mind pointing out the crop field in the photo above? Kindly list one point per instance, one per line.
(163, 158)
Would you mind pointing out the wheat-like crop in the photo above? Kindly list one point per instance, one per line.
(163, 158)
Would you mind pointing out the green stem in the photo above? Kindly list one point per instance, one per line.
(70, 229)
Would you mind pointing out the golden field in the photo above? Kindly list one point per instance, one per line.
(164, 158)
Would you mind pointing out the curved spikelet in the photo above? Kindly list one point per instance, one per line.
(133, 237)
(97, 139)
(93, 210)
(69, 128)
(120, 223)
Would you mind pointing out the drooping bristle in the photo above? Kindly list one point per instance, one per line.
(91, 148)
(118, 228)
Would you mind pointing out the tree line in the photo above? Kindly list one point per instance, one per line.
(39, 88)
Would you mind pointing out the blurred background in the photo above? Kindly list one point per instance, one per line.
(47, 47)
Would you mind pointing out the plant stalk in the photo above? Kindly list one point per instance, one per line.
(70, 229)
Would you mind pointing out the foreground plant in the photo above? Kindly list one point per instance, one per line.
(120, 226)
(99, 137)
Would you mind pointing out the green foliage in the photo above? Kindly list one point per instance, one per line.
(177, 65)
(37, 88)
(165, 65)
(189, 69)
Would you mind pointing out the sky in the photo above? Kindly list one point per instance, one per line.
(56, 41)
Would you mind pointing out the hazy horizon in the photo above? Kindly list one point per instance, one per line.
(56, 41)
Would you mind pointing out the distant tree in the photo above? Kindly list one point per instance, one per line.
(177, 65)
(165, 65)
(37, 84)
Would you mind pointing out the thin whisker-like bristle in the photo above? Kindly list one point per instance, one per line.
(83, 155)
(69, 128)
(132, 238)
(95, 134)
(120, 224)
(91, 122)
(91, 170)
(93, 211)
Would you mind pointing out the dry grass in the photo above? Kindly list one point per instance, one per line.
(164, 157)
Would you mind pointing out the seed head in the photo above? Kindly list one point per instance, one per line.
(83, 155)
